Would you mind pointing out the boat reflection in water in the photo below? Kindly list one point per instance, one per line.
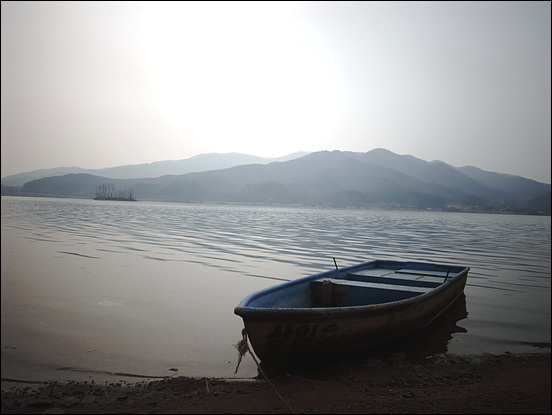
(431, 340)
(416, 347)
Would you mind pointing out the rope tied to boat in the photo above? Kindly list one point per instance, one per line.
(243, 347)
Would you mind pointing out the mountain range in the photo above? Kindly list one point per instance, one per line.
(199, 163)
(378, 178)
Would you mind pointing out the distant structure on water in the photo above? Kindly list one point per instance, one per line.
(109, 192)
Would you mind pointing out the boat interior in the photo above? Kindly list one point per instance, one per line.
(380, 282)
(374, 286)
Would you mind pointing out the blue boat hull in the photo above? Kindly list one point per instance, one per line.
(351, 308)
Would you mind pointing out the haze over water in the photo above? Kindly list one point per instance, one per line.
(92, 288)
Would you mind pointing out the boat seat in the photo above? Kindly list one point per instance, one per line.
(396, 279)
(331, 292)
(379, 285)
(426, 273)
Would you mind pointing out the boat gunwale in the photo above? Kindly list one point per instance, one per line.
(251, 312)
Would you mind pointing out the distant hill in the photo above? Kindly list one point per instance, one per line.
(378, 178)
(22, 178)
(199, 163)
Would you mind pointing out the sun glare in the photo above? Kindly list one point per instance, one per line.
(239, 74)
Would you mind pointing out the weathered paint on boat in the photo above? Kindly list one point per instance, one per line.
(350, 308)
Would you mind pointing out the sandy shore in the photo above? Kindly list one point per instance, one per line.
(444, 384)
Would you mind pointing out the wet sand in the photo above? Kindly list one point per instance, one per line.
(470, 384)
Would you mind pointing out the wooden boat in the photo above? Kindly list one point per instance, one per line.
(349, 308)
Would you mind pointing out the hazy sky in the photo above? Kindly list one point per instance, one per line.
(102, 84)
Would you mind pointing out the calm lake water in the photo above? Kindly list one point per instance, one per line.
(99, 288)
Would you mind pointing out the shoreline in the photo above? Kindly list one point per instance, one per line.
(505, 383)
